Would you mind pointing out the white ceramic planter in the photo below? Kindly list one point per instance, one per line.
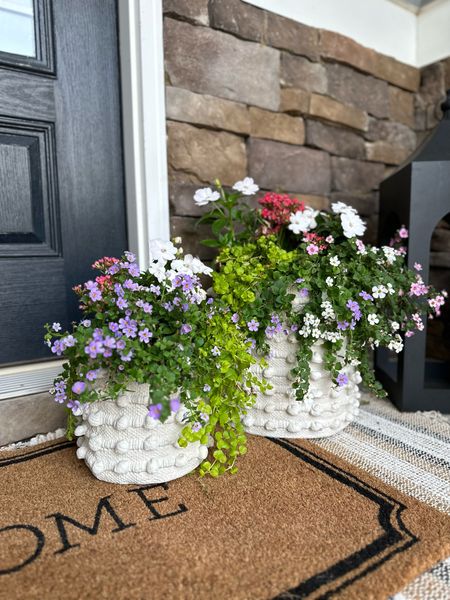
(277, 413)
(120, 443)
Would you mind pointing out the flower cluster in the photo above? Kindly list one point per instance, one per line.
(277, 210)
(157, 327)
(325, 283)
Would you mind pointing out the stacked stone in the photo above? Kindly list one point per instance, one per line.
(302, 110)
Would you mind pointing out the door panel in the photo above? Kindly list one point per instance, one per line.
(61, 171)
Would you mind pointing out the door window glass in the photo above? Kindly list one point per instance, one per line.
(17, 27)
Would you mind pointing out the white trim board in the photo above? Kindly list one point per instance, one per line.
(384, 25)
(144, 123)
(28, 379)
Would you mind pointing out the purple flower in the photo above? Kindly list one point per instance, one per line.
(204, 417)
(168, 306)
(78, 387)
(206, 388)
(94, 348)
(129, 284)
(275, 319)
(185, 328)
(69, 341)
(155, 289)
(120, 345)
(58, 347)
(343, 325)
(127, 357)
(133, 270)
(175, 404)
(210, 301)
(113, 327)
(342, 379)
(299, 280)
(92, 375)
(147, 307)
(113, 269)
(253, 325)
(145, 335)
(95, 294)
(109, 342)
(130, 256)
(352, 305)
(90, 285)
(215, 351)
(294, 328)
(85, 323)
(304, 292)
(119, 290)
(366, 296)
(196, 426)
(154, 411)
(75, 407)
(185, 307)
(270, 331)
(98, 334)
(121, 303)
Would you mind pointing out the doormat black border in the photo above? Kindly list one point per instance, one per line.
(395, 539)
(396, 536)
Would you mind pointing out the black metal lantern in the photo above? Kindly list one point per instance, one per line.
(418, 196)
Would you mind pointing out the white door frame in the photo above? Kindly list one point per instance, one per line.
(144, 123)
(145, 157)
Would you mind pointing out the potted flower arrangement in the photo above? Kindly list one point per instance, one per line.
(155, 372)
(315, 300)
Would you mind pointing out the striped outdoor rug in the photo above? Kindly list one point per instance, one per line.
(411, 452)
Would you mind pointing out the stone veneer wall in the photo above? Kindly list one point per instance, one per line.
(299, 109)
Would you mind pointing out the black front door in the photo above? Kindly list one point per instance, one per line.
(62, 199)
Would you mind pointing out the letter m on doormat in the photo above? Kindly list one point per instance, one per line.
(63, 520)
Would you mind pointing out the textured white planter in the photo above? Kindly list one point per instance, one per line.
(120, 443)
(278, 414)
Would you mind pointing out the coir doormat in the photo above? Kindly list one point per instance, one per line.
(296, 522)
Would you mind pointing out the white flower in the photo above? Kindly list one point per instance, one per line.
(205, 195)
(161, 251)
(390, 289)
(390, 254)
(158, 270)
(329, 281)
(373, 319)
(56, 326)
(379, 291)
(341, 208)
(190, 265)
(303, 221)
(395, 326)
(396, 344)
(352, 224)
(177, 240)
(334, 261)
(247, 186)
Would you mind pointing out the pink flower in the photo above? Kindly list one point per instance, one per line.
(312, 249)
(360, 245)
(403, 233)
(409, 333)
(417, 266)
(329, 239)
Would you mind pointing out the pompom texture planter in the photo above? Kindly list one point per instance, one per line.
(277, 413)
(120, 443)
